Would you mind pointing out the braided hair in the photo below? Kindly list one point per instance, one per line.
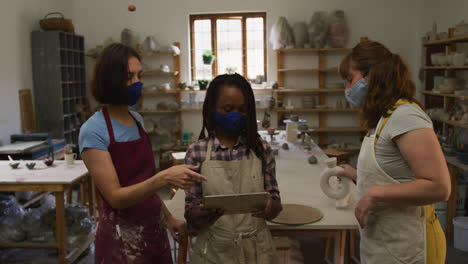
(250, 132)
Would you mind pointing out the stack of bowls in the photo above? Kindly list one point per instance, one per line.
(308, 102)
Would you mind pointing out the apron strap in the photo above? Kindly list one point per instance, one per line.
(208, 149)
(109, 124)
(383, 120)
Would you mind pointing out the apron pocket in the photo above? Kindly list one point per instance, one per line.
(403, 237)
(266, 247)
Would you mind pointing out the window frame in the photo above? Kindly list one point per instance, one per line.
(213, 17)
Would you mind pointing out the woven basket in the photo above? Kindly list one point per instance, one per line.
(57, 23)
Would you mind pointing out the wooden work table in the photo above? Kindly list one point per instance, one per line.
(299, 183)
(55, 179)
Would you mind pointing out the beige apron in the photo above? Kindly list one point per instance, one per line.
(239, 238)
(392, 234)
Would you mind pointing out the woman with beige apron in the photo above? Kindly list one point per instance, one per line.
(394, 227)
(231, 167)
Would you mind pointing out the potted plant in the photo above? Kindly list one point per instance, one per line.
(208, 57)
(203, 84)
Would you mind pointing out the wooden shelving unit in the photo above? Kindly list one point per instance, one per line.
(461, 97)
(446, 101)
(321, 91)
(175, 74)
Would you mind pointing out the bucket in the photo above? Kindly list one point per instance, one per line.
(460, 233)
(442, 216)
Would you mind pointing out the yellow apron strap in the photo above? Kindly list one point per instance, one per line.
(390, 112)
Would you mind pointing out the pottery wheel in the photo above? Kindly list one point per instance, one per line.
(296, 214)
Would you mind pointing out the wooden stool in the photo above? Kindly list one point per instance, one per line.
(283, 248)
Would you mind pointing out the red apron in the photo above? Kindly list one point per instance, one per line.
(137, 234)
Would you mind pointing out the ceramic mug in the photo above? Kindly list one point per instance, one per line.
(70, 158)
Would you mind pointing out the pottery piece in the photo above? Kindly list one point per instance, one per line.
(161, 106)
(451, 84)
(465, 118)
(312, 160)
(165, 86)
(461, 29)
(449, 59)
(14, 165)
(300, 33)
(337, 31)
(318, 29)
(294, 118)
(445, 89)
(303, 127)
(165, 68)
(182, 85)
(149, 45)
(458, 59)
(49, 162)
(30, 165)
(285, 146)
(275, 152)
(275, 85)
(128, 38)
(281, 35)
(438, 80)
(173, 106)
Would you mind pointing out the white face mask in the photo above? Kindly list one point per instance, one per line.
(357, 94)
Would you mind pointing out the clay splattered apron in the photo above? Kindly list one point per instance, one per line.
(137, 234)
(392, 234)
(240, 238)
(436, 247)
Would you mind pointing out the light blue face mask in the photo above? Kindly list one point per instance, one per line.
(357, 94)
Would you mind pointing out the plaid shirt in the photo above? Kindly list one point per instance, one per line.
(196, 155)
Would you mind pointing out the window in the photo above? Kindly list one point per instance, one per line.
(238, 42)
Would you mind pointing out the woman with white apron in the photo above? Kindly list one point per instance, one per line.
(401, 169)
(235, 160)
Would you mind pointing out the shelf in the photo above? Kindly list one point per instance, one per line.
(452, 123)
(160, 92)
(463, 97)
(317, 110)
(308, 70)
(157, 112)
(191, 109)
(160, 73)
(314, 50)
(325, 90)
(447, 41)
(428, 68)
(452, 160)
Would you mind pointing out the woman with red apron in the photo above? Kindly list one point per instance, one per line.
(118, 154)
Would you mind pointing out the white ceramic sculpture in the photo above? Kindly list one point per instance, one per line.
(301, 35)
(337, 30)
(340, 188)
(281, 35)
(318, 29)
(149, 45)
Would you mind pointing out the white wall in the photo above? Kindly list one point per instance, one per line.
(17, 19)
(398, 24)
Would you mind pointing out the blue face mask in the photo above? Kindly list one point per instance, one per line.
(357, 94)
(232, 122)
(134, 92)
